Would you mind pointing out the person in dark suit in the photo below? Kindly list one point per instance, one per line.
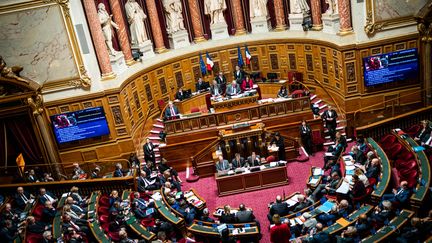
(358, 155)
(118, 170)
(253, 160)
(10, 214)
(171, 112)
(48, 213)
(222, 164)
(22, 198)
(145, 183)
(372, 170)
(279, 207)
(348, 235)
(306, 137)
(233, 89)
(163, 166)
(420, 136)
(342, 139)
(382, 214)
(243, 215)
(283, 92)
(8, 232)
(32, 178)
(227, 217)
(400, 194)
(279, 141)
(358, 189)
(215, 89)
(221, 81)
(237, 162)
(320, 236)
(330, 187)
(329, 117)
(246, 84)
(335, 150)
(205, 216)
(303, 203)
(180, 95)
(47, 237)
(201, 86)
(75, 207)
(149, 154)
(46, 196)
(239, 75)
(35, 227)
(362, 225)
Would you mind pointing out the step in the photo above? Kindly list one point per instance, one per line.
(159, 126)
(312, 97)
(157, 155)
(154, 138)
(337, 129)
(159, 120)
(323, 106)
(316, 103)
(154, 131)
(328, 143)
(340, 121)
(328, 137)
(156, 149)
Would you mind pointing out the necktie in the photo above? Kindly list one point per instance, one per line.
(74, 225)
(401, 190)
(232, 89)
(24, 198)
(172, 111)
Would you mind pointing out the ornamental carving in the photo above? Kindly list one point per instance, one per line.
(36, 104)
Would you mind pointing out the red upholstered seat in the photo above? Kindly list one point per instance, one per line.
(103, 210)
(37, 212)
(372, 181)
(408, 165)
(270, 158)
(104, 200)
(411, 178)
(413, 130)
(297, 93)
(194, 109)
(104, 219)
(395, 178)
(395, 150)
(161, 104)
(114, 236)
(362, 198)
(405, 156)
(317, 138)
(33, 238)
(105, 227)
(387, 141)
(148, 222)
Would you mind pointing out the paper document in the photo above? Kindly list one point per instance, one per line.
(328, 154)
(318, 171)
(344, 188)
(343, 222)
(350, 167)
(313, 181)
(326, 207)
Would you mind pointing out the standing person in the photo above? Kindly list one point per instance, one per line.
(279, 141)
(239, 75)
(306, 137)
(283, 92)
(221, 80)
(149, 154)
(280, 232)
(329, 116)
(171, 112)
(180, 95)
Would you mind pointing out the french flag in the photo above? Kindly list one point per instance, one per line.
(209, 62)
(248, 55)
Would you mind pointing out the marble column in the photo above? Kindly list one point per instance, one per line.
(280, 15)
(122, 33)
(344, 7)
(155, 26)
(238, 17)
(196, 21)
(98, 40)
(317, 23)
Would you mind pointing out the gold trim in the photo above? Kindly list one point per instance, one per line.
(64, 4)
(240, 32)
(281, 27)
(317, 27)
(108, 76)
(199, 39)
(344, 32)
(160, 50)
(131, 62)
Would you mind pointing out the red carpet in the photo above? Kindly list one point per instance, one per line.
(298, 173)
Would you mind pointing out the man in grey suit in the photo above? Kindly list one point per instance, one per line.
(243, 215)
(233, 89)
(222, 164)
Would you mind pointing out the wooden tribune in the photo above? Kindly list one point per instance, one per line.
(245, 182)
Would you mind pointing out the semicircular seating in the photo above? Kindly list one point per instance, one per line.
(387, 141)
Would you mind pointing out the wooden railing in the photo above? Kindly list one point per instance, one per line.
(202, 153)
(340, 110)
(378, 129)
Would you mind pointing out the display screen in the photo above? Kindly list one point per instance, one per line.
(78, 125)
(391, 67)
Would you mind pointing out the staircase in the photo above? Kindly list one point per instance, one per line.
(341, 124)
(154, 138)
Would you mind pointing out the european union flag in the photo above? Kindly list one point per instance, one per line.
(240, 62)
(202, 65)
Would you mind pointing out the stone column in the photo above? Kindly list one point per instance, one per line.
(98, 40)
(122, 33)
(316, 15)
(196, 21)
(280, 15)
(344, 7)
(238, 17)
(155, 26)
(425, 30)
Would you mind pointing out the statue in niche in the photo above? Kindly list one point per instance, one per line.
(173, 12)
(215, 9)
(107, 25)
(258, 8)
(11, 72)
(332, 7)
(299, 7)
(136, 16)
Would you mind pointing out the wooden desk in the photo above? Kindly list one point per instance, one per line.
(245, 182)
(236, 103)
(196, 101)
(271, 89)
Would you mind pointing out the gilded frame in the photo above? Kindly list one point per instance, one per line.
(374, 25)
(81, 79)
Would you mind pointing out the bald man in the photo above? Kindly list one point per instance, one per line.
(279, 207)
(401, 194)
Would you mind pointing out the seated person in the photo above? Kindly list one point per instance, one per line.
(309, 224)
(357, 189)
(246, 84)
(201, 86)
(427, 141)
(244, 215)
(10, 214)
(420, 136)
(303, 203)
(163, 166)
(205, 216)
(400, 195)
(114, 197)
(342, 209)
(283, 92)
(75, 207)
(222, 164)
(95, 173)
(77, 198)
(227, 217)
(140, 202)
(32, 178)
(319, 236)
(362, 177)
(8, 232)
(342, 139)
(362, 225)
(348, 235)
(70, 226)
(357, 155)
(77, 218)
(233, 89)
(22, 197)
(215, 89)
(335, 151)
(79, 174)
(47, 237)
(48, 213)
(180, 95)
(329, 188)
(118, 170)
(362, 145)
(167, 177)
(382, 214)
(253, 160)
(46, 196)
(237, 162)
(139, 213)
(373, 169)
(412, 232)
(124, 237)
(279, 207)
(145, 183)
(186, 211)
(35, 227)
(171, 111)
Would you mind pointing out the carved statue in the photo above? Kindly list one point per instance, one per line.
(258, 8)
(332, 7)
(11, 72)
(107, 25)
(136, 16)
(173, 13)
(215, 9)
(299, 6)
(36, 104)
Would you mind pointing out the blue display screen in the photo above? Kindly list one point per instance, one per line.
(391, 67)
(78, 125)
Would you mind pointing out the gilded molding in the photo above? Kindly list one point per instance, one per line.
(84, 81)
(371, 27)
(425, 31)
(36, 104)
(64, 4)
